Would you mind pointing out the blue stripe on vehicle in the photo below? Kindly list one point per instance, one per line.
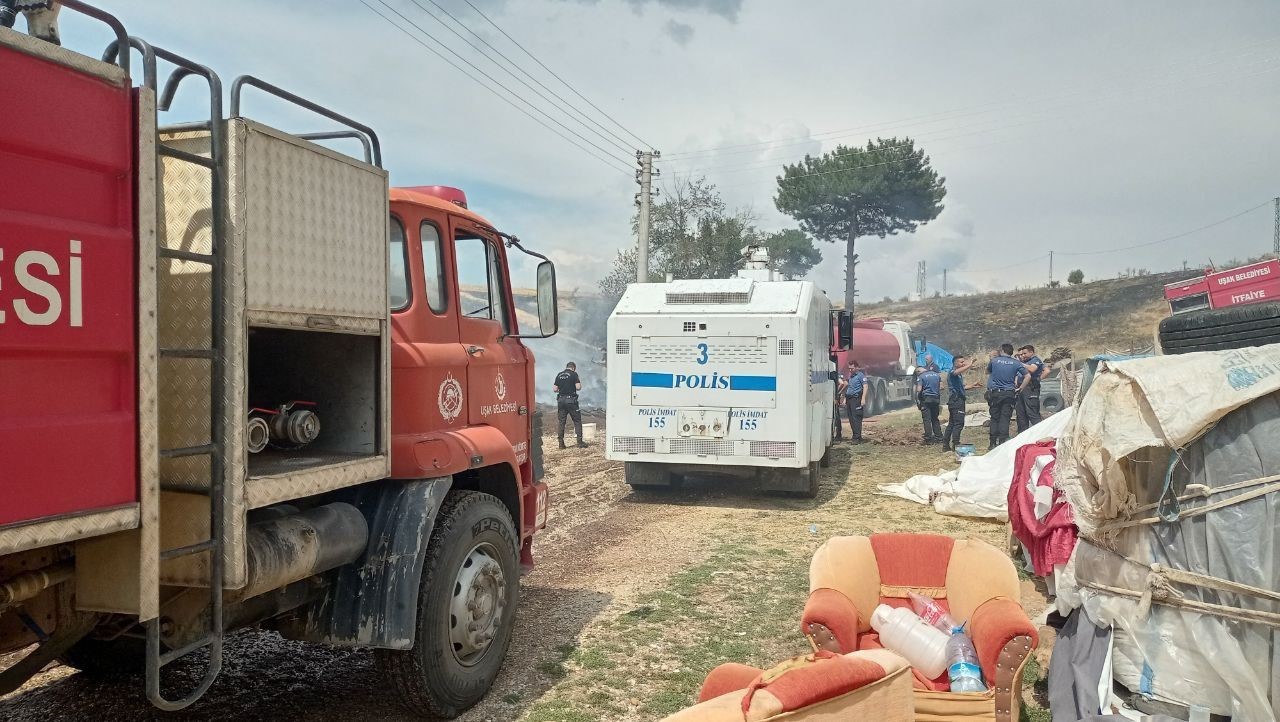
(657, 381)
(753, 383)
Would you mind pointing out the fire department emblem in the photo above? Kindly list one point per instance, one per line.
(500, 386)
(450, 398)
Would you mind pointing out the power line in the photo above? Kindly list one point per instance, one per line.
(1184, 234)
(553, 73)
(980, 109)
(608, 156)
(573, 113)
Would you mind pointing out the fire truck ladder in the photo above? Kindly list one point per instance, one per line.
(215, 354)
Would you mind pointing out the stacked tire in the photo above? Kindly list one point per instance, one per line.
(1221, 329)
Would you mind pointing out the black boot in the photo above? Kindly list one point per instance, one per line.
(562, 443)
(582, 444)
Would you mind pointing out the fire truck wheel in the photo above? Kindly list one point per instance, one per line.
(466, 609)
(107, 659)
(1220, 329)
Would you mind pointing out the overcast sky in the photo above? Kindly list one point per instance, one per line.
(1071, 127)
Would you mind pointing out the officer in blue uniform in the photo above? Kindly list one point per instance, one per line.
(956, 401)
(1027, 404)
(1002, 372)
(855, 396)
(929, 398)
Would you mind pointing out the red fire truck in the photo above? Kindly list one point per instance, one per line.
(242, 382)
(1223, 309)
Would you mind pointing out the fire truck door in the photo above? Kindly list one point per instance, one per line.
(496, 388)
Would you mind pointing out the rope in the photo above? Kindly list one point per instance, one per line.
(1271, 619)
(1272, 484)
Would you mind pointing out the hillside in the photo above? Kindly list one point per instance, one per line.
(1114, 314)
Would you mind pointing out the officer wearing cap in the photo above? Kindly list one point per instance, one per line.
(1002, 376)
(567, 385)
(855, 397)
(1028, 395)
(929, 397)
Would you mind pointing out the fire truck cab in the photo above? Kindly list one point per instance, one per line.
(244, 383)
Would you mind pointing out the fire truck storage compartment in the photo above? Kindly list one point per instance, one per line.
(304, 312)
(335, 376)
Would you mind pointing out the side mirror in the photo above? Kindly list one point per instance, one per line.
(548, 308)
(844, 323)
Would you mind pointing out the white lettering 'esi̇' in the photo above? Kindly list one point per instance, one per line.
(38, 286)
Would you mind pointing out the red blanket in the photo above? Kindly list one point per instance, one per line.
(1049, 537)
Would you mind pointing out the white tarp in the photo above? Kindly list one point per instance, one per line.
(1156, 402)
(980, 487)
(1206, 421)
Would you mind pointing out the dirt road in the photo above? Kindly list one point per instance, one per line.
(604, 554)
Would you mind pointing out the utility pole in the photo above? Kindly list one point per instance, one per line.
(644, 199)
(1277, 241)
(920, 283)
(944, 283)
(1050, 268)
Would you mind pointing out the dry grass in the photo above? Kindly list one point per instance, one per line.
(646, 655)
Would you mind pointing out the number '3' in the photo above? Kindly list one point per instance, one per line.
(702, 359)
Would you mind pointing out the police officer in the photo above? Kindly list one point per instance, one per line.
(1002, 372)
(1028, 398)
(956, 401)
(567, 385)
(855, 397)
(837, 427)
(928, 398)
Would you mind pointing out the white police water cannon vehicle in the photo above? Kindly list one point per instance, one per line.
(727, 376)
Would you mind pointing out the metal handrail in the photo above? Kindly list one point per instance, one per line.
(342, 134)
(113, 54)
(122, 36)
(238, 85)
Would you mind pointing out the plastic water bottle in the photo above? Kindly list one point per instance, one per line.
(918, 642)
(932, 612)
(962, 663)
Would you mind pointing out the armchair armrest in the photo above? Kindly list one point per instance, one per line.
(1004, 638)
(830, 621)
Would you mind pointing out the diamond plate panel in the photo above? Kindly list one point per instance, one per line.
(315, 227)
(184, 292)
(68, 529)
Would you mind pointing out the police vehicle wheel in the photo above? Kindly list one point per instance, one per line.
(639, 475)
(466, 609)
(813, 480)
(825, 461)
(1221, 329)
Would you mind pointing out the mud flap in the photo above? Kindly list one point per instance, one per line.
(374, 602)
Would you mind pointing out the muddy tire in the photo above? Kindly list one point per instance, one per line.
(466, 609)
(102, 659)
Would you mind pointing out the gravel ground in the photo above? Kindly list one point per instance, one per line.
(605, 547)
